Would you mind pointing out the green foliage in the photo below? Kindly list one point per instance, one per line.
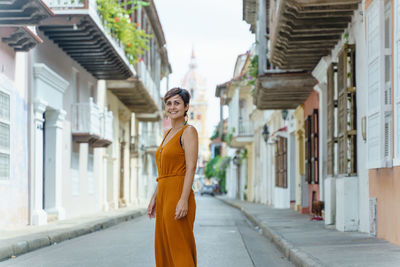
(117, 20)
(228, 137)
(253, 71)
(216, 168)
(215, 133)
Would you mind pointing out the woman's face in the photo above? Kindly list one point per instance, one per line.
(175, 107)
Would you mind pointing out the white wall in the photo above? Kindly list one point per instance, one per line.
(77, 197)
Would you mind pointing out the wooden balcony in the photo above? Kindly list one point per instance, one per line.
(283, 90)
(77, 29)
(141, 95)
(303, 31)
(86, 122)
(106, 130)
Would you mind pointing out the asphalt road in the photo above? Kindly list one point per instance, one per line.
(223, 236)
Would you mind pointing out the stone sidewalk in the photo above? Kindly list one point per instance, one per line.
(311, 243)
(19, 241)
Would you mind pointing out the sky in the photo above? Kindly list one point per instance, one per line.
(218, 33)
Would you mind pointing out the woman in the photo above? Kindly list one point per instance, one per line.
(173, 198)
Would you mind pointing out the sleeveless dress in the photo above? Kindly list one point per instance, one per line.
(174, 240)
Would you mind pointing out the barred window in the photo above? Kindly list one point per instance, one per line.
(4, 136)
(312, 148)
(281, 162)
(342, 121)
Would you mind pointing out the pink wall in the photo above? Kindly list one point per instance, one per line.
(310, 104)
(384, 185)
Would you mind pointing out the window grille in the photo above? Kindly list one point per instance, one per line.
(281, 162)
(4, 136)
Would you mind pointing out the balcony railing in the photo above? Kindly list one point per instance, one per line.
(134, 145)
(148, 82)
(245, 128)
(148, 140)
(86, 121)
(106, 129)
(67, 4)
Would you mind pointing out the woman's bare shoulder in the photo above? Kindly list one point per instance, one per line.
(190, 132)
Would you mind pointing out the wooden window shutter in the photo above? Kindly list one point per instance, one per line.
(375, 68)
(284, 159)
(308, 175)
(315, 146)
(342, 112)
(397, 79)
(347, 120)
(331, 118)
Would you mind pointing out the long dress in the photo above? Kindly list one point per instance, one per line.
(174, 240)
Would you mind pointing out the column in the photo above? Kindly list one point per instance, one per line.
(54, 162)
(106, 206)
(39, 216)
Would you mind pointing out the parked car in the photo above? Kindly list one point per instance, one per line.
(207, 189)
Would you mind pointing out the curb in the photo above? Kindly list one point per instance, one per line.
(295, 255)
(47, 238)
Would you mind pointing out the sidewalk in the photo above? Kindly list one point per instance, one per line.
(29, 238)
(310, 243)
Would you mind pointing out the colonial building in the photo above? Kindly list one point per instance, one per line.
(196, 85)
(17, 37)
(75, 131)
(334, 67)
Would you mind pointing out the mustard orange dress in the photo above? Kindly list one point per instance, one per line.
(174, 240)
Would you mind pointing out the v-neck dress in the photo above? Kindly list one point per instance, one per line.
(174, 240)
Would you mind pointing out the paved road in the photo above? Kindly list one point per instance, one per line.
(223, 236)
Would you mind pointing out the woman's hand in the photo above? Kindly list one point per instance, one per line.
(181, 209)
(151, 209)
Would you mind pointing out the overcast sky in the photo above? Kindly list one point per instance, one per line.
(218, 33)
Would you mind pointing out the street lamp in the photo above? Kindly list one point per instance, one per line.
(285, 113)
(265, 133)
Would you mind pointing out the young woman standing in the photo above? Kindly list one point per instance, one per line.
(173, 204)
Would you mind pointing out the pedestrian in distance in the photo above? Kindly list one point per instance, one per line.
(173, 204)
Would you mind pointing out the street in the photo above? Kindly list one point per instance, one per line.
(223, 236)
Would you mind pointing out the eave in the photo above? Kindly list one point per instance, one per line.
(80, 34)
(135, 97)
(19, 38)
(283, 90)
(23, 12)
(304, 31)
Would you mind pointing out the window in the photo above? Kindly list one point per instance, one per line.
(342, 123)
(281, 162)
(387, 99)
(379, 118)
(397, 80)
(4, 136)
(312, 148)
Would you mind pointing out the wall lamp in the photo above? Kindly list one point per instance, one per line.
(265, 133)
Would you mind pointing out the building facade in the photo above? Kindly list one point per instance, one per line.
(70, 150)
(337, 81)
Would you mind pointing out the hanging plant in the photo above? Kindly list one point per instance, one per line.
(117, 20)
(253, 71)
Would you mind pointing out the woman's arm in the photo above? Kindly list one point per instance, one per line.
(151, 209)
(190, 144)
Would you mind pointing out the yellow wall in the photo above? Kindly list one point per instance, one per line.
(299, 115)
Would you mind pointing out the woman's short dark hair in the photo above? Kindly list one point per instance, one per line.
(183, 93)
